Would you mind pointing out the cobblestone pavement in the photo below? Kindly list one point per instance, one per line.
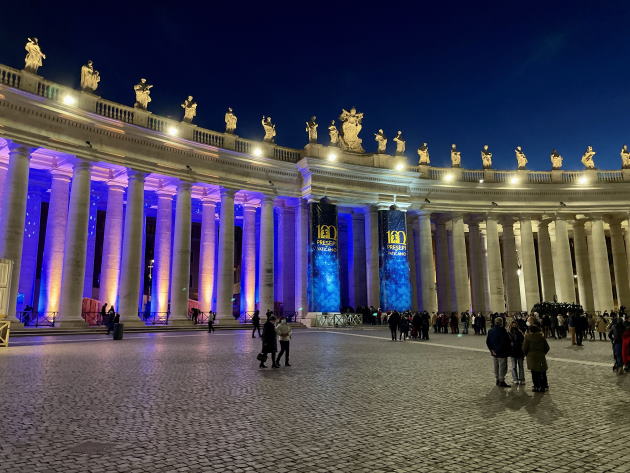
(353, 401)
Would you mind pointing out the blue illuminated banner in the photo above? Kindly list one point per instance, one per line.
(324, 287)
(394, 265)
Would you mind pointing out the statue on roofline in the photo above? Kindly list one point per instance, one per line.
(270, 129)
(34, 55)
(190, 109)
(587, 158)
(89, 77)
(625, 157)
(230, 121)
(486, 157)
(423, 154)
(521, 159)
(381, 141)
(333, 133)
(400, 144)
(456, 156)
(311, 129)
(351, 127)
(143, 94)
(556, 159)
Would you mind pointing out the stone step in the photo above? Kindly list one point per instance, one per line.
(40, 331)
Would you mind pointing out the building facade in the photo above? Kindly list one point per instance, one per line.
(112, 204)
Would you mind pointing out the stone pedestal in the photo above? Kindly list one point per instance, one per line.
(556, 176)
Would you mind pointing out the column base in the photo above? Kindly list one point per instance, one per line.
(133, 323)
(180, 323)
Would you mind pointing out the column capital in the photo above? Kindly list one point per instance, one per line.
(164, 193)
(81, 164)
(21, 148)
(116, 186)
(227, 192)
(184, 185)
(506, 220)
(266, 199)
(249, 206)
(133, 175)
(61, 174)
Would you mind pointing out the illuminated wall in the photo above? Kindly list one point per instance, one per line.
(324, 288)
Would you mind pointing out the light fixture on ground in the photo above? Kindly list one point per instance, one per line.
(449, 177)
(332, 156)
(257, 151)
(70, 100)
(172, 131)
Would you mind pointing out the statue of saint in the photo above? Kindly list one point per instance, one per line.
(34, 55)
(456, 156)
(143, 94)
(556, 159)
(334, 133)
(423, 154)
(625, 157)
(230, 121)
(521, 159)
(351, 127)
(400, 144)
(587, 158)
(381, 141)
(311, 129)
(270, 129)
(89, 77)
(486, 157)
(190, 109)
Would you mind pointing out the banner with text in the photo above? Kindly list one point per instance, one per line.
(324, 258)
(394, 266)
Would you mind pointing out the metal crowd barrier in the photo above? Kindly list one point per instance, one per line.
(338, 320)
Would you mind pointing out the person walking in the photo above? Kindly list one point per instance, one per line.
(625, 344)
(393, 321)
(425, 325)
(269, 343)
(211, 318)
(499, 343)
(434, 322)
(579, 326)
(283, 329)
(104, 314)
(516, 353)
(535, 348)
(465, 321)
(403, 327)
(602, 327)
(111, 314)
(256, 323)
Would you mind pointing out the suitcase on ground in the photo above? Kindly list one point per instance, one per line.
(118, 331)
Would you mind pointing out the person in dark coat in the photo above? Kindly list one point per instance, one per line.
(426, 322)
(535, 347)
(516, 355)
(416, 321)
(269, 342)
(615, 335)
(403, 327)
(111, 314)
(393, 321)
(256, 323)
(500, 346)
(104, 314)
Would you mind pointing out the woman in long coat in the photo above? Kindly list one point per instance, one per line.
(535, 347)
(269, 342)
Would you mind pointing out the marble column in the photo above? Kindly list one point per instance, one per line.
(411, 258)
(371, 258)
(477, 255)
(112, 244)
(301, 258)
(265, 257)
(601, 270)
(74, 255)
(287, 252)
(207, 254)
(357, 261)
(180, 274)
(442, 267)
(225, 270)
(426, 265)
(3, 175)
(132, 250)
(460, 265)
(510, 267)
(161, 272)
(582, 266)
(248, 257)
(620, 263)
(545, 262)
(279, 261)
(528, 264)
(13, 211)
(52, 261)
(496, 294)
(30, 244)
(565, 284)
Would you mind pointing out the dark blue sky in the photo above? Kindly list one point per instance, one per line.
(538, 74)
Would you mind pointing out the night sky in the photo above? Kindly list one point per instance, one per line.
(536, 74)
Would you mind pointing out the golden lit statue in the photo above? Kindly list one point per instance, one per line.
(333, 132)
(190, 109)
(400, 144)
(89, 77)
(456, 156)
(311, 129)
(587, 158)
(381, 141)
(230, 121)
(521, 159)
(34, 55)
(556, 159)
(270, 129)
(423, 154)
(351, 127)
(486, 157)
(625, 157)
(143, 94)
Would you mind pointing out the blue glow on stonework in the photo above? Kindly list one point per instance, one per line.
(394, 270)
(325, 282)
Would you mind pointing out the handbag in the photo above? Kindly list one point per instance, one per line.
(262, 357)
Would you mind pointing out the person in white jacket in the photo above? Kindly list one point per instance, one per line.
(284, 335)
